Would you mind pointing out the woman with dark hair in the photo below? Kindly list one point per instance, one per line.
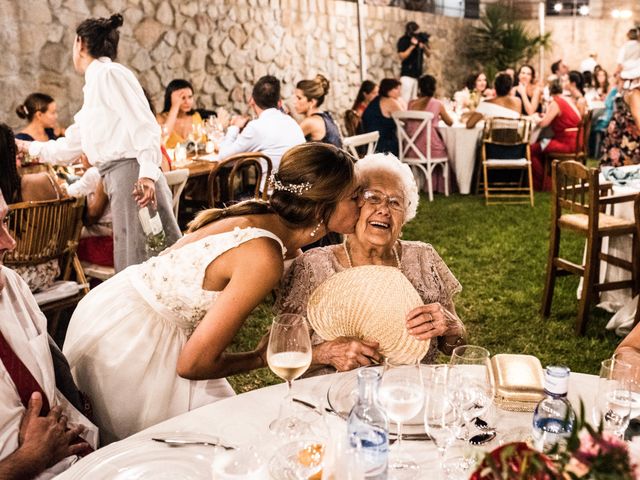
(428, 103)
(317, 125)
(564, 117)
(528, 91)
(157, 333)
(18, 188)
(503, 105)
(601, 82)
(117, 131)
(377, 116)
(575, 86)
(39, 109)
(368, 91)
(178, 116)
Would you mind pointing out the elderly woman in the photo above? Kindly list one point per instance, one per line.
(388, 199)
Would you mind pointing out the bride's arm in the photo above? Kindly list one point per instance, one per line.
(253, 269)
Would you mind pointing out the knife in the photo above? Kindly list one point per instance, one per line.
(178, 442)
(314, 407)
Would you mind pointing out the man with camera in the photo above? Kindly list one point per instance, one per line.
(412, 47)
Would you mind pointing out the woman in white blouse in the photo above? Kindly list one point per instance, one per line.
(120, 136)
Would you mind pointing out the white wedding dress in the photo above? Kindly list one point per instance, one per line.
(125, 336)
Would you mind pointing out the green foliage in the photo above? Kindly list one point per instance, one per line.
(501, 40)
(499, 255)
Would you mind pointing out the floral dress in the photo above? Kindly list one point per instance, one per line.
(621, 145)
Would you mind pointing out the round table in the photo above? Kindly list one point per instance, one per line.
(462, 143)
(246, 417)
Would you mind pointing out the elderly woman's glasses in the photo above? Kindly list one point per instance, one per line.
(376, 197)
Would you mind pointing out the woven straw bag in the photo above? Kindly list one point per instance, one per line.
(370, 303)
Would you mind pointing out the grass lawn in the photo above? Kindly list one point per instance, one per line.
(499, 255)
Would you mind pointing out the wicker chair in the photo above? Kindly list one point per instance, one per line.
(578, 203)
(238, 178)
(50, 231)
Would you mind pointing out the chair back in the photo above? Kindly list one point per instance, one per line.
(176, 179)
(352, 123)
(582, 139)
(506, 131)
(575, 188)
(407, 147)
(44, 231)
(368, 140)
(238, 178)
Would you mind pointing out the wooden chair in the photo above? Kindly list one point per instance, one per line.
(47, 231)
(368, 140)
(176, 179)
(578, 203)
(237, 178)
(409, 152)
(580, 152)
(505, 133)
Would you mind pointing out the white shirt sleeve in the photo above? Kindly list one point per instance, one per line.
(60, 151)
(234, 142)
(86, 185)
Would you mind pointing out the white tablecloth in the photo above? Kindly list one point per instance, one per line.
(461, 143)
(245, 419)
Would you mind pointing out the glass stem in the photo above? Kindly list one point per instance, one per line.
(399, 435)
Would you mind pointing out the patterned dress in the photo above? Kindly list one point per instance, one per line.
(621, 144)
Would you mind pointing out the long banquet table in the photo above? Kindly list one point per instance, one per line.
(245, 419)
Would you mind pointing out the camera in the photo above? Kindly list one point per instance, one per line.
(422, 37)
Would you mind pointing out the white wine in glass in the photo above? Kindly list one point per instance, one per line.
(288, 356)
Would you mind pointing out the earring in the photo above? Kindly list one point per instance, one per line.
(315, 230)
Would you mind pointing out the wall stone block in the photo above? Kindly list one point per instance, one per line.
(164, 14)
(148, 32)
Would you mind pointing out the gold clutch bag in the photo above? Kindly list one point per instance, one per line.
(519, 382)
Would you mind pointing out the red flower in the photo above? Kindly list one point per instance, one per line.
(512, 460)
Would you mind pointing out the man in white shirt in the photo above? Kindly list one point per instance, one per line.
(35, 440)
(272, 133)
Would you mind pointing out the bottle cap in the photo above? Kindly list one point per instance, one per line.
(556, 379)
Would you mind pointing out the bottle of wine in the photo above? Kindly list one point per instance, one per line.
(155, 237)
(368, 426)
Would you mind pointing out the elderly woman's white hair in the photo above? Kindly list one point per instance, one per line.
(388, 163)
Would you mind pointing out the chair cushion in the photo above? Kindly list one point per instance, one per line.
(40, 276)
(516, 162)
(58, 291)
(580, 221)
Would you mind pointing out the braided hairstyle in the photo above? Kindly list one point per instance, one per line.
(101, 36)
(9, 176)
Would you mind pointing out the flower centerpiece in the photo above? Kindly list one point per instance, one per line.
(589, 454)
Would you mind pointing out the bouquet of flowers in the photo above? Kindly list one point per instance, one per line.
(590, 454)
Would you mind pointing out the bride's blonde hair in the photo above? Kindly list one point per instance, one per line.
(329, 173)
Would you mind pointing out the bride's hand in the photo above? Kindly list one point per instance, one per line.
(427, 321)
(346, 353)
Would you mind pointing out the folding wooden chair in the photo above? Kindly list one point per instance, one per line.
(578, 203)
(409, 152)
(238, 178)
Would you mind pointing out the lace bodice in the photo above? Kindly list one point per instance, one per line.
(174, 280)
(419, 262)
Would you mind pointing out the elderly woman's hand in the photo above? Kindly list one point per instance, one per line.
(427, 321)
(346, 353)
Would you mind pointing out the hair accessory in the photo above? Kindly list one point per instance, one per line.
(297, 188)
(25, 109)
(315, 230)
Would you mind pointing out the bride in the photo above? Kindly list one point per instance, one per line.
(149, 343)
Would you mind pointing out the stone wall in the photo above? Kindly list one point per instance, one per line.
(222, 46)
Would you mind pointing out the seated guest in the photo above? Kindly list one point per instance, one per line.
(503, 105)
(388, 199)
(564, 117)
(574, 86)
(39, 109)
(427, 103)
(621, 144)
(317, 126)
(272, 133)
(601, 82)
(474, 92)
(527, 90)
(368, 91)
(22, 188)
(377, 115)
(39, 428)
(178, 116)
(96, 239)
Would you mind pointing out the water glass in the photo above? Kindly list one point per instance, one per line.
(612, 404)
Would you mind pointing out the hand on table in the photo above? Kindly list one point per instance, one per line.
(427, 321)
(145, 192)
(346, 353)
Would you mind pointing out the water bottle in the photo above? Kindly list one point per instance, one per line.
(553, 418)
(368, 425)
(155, 238)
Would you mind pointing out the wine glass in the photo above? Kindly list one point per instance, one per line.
(402, 395)
(471, 387)
(195, 136)
(288, 356)
(612, 404)
(442, 421)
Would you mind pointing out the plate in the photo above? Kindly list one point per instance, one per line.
(143, 459)
(343, 393)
